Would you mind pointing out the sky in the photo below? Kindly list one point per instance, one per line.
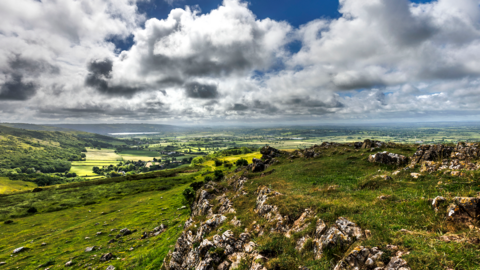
(193, 62)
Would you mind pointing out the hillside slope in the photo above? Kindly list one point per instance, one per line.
(328, 207)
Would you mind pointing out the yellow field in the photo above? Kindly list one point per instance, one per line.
(136, 158)
(96, 158)
(7, 185)
(99, 158)
(104, 154)
(232, 159)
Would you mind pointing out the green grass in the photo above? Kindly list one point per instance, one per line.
(9, 186)
(69, 213)
(304, 184)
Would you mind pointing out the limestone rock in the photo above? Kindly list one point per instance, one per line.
(437, 203)
(301, 223)
(470, 205)
(301, 242)
(397, 263)
(226, 206)
(106, 257)
(88, 249)
(202, 205)
(235, 222)
(332, 238)
(349, 228)
(18, 250)
(388, 158)
(361, 258)
(110, 267)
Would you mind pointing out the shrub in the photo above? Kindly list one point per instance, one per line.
(207, 178)
(188, 196)
(32, 210)
(218, 175)
(241, 162)
(218, 162)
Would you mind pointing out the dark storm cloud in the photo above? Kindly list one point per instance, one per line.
(93, 111)
(16, 89)
(21, 65)
(100, 72)
(203, 91)
(264, 107)
(239, 107)
(19, 69)
(302, 102)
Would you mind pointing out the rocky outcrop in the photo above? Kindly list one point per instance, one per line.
(388, 158)
(270, 212)
(342, 234)
(362, 258)
(226, 206)
(368, 144)
(464, 209)
(269, 153)
(441, 157)
(202, 206)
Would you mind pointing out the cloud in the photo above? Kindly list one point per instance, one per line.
(16, 89)
(204, 91)
(380, 58)
(98, 78)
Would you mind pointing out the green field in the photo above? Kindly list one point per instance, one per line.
(9, 186)
(71, 213)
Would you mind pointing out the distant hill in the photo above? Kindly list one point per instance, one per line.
(120, 128)
(104, 129)
(34, 127)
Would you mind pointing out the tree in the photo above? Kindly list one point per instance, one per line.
(188, 196)
(241, 162)
(218, 175)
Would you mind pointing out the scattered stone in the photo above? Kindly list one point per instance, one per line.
(131, 249)
(396, 173)
(88, 249)
(69, 263)
(110, 267)
(415, 175)
(18, 250)
(86, 238)
(384, 197)
(437, 202)
(112, 241)
(106, 257)
(97, 224)
(368, 234)
(3, 263)
(361, 258)
(43, 244)
(99, 233)
(235, 222)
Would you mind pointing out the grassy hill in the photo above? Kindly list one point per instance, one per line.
(68, 218)
(385, 200)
